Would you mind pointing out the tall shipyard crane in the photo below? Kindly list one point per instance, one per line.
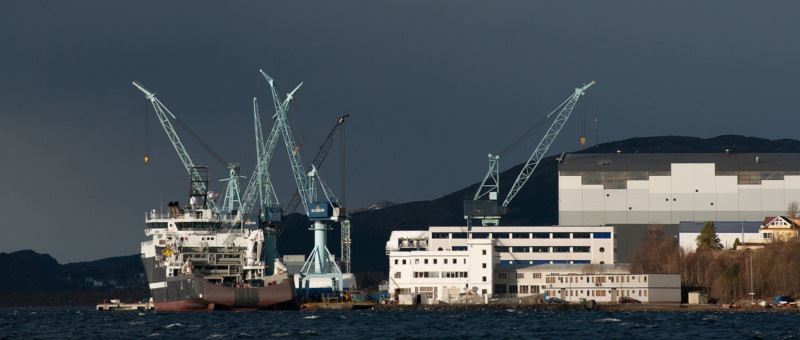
(260, 186)
(320, 261)
(199, 184)
(319, 158)
(487, 210)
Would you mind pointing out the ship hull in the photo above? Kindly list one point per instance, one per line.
(191, 292)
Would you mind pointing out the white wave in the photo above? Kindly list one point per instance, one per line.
(173, 325)
(311, 317)
(609, 320)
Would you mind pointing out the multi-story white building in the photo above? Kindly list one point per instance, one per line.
(633, 191)
(607, 287)
(444, 261)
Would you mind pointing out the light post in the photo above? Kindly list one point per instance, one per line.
(752, 294)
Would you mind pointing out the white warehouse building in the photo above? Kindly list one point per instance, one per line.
(633, 191)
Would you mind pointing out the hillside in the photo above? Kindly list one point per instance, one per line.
(26, 271)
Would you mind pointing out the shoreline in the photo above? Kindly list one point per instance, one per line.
(603, 307)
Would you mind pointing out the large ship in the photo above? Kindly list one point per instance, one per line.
(199, 260)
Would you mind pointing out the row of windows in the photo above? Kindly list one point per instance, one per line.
(399, 275)
(547, 262)
(428, 261)
(503, 249)
(595, 292)
(539, 235)
(595, 279)
(619, 179)
(514, 289)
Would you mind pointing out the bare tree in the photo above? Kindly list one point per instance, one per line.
(792, 209)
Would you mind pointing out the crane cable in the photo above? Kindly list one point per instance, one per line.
(146, 134)
(202, 143)
(528, 133)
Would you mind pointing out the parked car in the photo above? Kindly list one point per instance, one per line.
(625, 299)
(555, 300)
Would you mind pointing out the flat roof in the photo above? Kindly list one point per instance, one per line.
(662, 161)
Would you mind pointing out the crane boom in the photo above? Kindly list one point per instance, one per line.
(563, 114)
(260, 182)
(162, 111)
(319, 158)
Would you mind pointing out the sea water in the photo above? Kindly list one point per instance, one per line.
(47, 323)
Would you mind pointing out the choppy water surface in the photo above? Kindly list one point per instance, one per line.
(40, 323)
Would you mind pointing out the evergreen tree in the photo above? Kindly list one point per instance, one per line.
(736, 243)
(708, 239)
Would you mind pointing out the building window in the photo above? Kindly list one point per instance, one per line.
(520, 275)
(769, 235)
(426, 274)
(520, 235)
(540, 249)
(523, 289)
(397, 275)
(580, 249)
(459, 235)
(461, 248)
(404, 261)
(396, 261)
(484, 279)
(560, 235)
(434, 261)
(480, 235)
(581, 235)
(534, 289)
(440, 235)
(426, 261)
(537, 275)
(645, 280)
(512, 289)
(484, 265)
(540, 235)
(499, 235)
(502, 275)
(500, 249)
(416, 261)
(454, 261)
(484, 252)
(499, 289)
(561, 249)
(519, 249)
(445, 261)
(602, 249)
(601, 235)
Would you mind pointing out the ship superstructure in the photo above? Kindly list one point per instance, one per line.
(196, 259)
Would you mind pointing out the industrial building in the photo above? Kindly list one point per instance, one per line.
(445, 261)
(633, 191)
(648, 288)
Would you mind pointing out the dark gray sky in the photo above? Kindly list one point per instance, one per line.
(431, 87)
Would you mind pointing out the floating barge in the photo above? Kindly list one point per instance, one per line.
(116, 305)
